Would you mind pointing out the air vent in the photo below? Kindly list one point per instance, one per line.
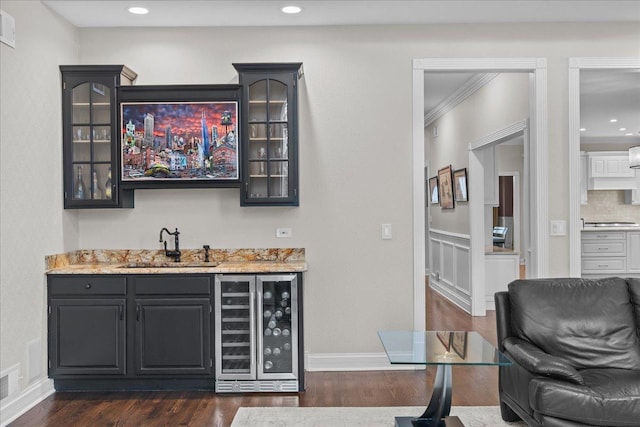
(4, 387)
(9, 381)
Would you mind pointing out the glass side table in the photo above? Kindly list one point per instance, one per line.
(443, 349)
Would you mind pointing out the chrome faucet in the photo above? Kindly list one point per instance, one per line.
(175, 253)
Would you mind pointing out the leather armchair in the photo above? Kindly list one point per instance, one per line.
(575, 347)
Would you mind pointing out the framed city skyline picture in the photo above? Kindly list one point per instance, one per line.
(179, 136)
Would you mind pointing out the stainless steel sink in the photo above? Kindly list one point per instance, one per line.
(168, 265)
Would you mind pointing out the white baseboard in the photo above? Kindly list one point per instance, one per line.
(26, 400)
(352, 362)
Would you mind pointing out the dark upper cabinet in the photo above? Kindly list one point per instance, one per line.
(269, 133)
(90, 132)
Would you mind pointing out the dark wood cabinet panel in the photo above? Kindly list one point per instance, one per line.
(87, 336)
(173, 336)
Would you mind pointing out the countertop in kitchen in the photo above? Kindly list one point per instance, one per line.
(271, 260)
(589, 229)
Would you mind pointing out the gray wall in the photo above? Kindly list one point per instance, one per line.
(32, 221)
(355, 155)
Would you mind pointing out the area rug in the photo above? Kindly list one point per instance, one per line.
(471, 416)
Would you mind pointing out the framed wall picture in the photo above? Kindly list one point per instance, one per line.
(445, 180)
(459, 343)
(179, 136)
(445, 339)
(460, 189)
(433, 190)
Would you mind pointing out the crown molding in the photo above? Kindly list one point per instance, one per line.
(470, 87)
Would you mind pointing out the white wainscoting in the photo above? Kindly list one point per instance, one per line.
(450, 267)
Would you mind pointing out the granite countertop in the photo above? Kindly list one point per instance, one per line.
(127, 261)
(611, 228)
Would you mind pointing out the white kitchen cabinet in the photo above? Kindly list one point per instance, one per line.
(500, 270)
(633, 196)
(610, 253)
(603, 165)
(633, 251)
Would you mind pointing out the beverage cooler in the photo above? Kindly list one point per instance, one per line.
(258, 333)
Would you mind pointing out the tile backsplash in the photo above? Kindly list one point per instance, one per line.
(608, 205)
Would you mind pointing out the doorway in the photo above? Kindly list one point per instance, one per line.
(537, 165)
(575, 66)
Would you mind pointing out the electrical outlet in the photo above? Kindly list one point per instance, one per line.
(284, 232)
(386, 232)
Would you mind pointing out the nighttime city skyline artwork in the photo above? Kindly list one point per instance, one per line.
(179, 141)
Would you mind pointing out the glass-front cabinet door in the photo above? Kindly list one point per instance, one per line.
(270, 134)
(90, 129)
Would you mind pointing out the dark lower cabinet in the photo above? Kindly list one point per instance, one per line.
(87, 336)
(173, 336)
(130, 332)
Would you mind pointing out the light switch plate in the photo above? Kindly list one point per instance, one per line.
(558, 227)
(386, 232)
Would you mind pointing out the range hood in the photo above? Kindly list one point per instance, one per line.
(609, 170)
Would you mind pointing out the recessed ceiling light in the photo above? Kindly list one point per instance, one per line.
(138, 10)
(623, 129)
(583, 129)
(613, 120)
(291, 9)
(628, 134)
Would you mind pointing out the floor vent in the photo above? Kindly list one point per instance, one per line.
(4, 387)
(9, 381)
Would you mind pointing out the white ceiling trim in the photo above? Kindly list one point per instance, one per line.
(470, 87)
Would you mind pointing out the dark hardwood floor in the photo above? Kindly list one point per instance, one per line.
(472, 386)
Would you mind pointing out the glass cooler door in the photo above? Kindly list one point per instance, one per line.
(277, 327)
(235, 327)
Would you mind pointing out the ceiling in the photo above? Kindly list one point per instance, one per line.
(98, 13)
(605, 94)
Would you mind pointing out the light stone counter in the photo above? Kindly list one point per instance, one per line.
(587, 229)
(273, 260)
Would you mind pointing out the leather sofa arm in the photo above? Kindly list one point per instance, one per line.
(536, 361)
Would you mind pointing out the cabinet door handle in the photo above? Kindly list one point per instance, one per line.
(121, 310)
(138, 312)
(87, 286)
